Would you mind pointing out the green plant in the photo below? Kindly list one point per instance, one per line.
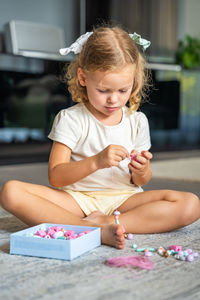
(188, 52)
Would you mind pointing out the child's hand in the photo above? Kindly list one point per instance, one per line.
(111, 156)
(140, 164)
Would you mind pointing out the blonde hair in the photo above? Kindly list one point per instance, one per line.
(109, 49)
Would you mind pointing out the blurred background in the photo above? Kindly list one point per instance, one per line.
(31, 87)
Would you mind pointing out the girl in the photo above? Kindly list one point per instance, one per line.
(100, 155)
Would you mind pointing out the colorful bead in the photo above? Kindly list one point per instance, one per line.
(181, 253)
(41, 233)
(134, 246)
(140, 249)
(190, 257)
(57, 234)
(175, 247)
(130, 236)
(189, 251)
(116, 213)
(61, 238)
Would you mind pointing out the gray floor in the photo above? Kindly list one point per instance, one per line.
(88, 277)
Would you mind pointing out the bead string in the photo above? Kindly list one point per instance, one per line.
(116, 214)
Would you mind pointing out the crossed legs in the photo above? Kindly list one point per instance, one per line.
(145, 212)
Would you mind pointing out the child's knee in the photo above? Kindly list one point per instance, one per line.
(8, 195)
(191, 208)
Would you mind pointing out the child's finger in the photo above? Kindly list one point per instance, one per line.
(148, 155)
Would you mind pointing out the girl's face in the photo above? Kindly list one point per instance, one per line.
(108, 92)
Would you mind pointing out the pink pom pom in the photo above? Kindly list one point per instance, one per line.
(135, 261)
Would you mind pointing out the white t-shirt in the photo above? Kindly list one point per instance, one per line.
(77, 128)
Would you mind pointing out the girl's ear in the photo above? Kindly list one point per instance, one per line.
(81, 77)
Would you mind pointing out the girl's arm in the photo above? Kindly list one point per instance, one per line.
(140, 168)
(62, 172)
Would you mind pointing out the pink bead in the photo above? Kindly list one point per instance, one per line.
(175, 248)
(81, 234)
(50, 232)
(41, 233)
(71, 237)
(87, 231)
(133, 157)
(56, 228)
(69, 233)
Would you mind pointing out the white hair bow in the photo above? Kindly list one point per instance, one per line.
(78, 44)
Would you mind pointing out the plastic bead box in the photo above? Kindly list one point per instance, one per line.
(24, 243)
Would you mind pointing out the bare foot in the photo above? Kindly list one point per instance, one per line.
(112, 235)
(99, 218)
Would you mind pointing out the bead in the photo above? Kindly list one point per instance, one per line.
(133, 157)
(186, 253)
(61, 238)
(148, 253)
(175, 247)
(130, 236)
(117, 221)
(69, 233)
(116, 213)
(41, 233)
(166, 254)
(134, 246)
(195, 254)
(152, 249)
(50, 232)
(80, 234)
(140, 249)
(160, 252)
(179, 257)
(87, 231)
(57, 234)
(189, 251)
(190, 258)
(71, 237)
(47, 237)
(181, 253)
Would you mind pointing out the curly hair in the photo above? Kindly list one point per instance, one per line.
(109, 49)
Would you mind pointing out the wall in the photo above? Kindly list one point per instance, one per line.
(63, 13)
(189, 21)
